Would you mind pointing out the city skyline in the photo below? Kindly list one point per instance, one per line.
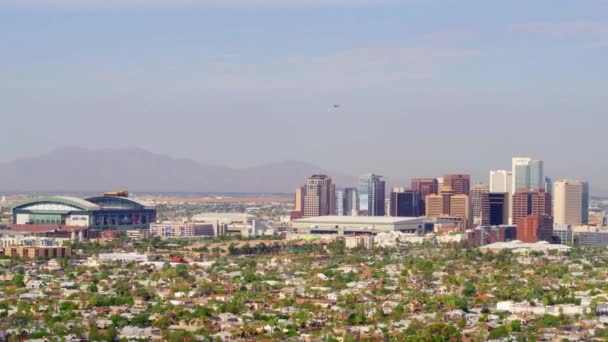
(250, 74)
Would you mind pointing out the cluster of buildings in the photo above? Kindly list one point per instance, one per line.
(520, 203)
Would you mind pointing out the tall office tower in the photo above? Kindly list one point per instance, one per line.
(460, 207)
(494, 208)
(347, 202)
(501, 181)
(298, 210)
(527, 174)
(440, 183)
(535, 228)
(568, 202)
(461, 184)
(371, 195)
(531, 203)
(435, 206)
(404, 203)
(548, 185)
(319, 199)
(585, 208)
(476, 196)
(425, 187)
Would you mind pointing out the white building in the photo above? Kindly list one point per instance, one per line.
(365, 241)
(241, 224)
(353, 225)
(501, 181)
(518, 247)
(182, 229)
(124, 257)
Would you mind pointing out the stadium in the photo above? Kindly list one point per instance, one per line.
(112, 211)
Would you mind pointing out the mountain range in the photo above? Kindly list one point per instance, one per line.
(135, 169)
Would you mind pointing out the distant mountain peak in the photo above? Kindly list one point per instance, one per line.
(75, 168)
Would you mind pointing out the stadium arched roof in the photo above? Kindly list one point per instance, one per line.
(118, 202)
(56, 203)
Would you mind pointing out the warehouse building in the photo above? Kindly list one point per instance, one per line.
(353, 225)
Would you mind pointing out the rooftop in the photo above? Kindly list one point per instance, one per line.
(358, 219)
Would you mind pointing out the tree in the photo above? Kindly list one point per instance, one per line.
(18, 280)
(498, 333)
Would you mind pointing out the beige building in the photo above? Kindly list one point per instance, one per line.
(320, 196)
(568, 202)
(434, 205)
(447, 204)
(460, 207)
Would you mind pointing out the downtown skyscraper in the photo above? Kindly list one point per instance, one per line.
(527, 174)
(347, 202)
(371, 195)
(319, 198)
(568, 201)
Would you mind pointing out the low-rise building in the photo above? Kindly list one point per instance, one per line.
(353, 225)
(241, 224)
(182, 229)
(365, 241)
(37, 252)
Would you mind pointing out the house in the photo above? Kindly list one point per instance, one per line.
(35, 284)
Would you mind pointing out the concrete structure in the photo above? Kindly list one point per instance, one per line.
(435, 206)
(494, 208)
(535, 228)
(527, 174)
(347, 202)
(182, 229)
(519, 247)
(460, 207)
(124, 257)
(476, 198)
(354, 225)
(32, 241)
(359, 241)
(371, 195)
(501, 181)
(484, 235)
(425, 187)
(320, 196)
(27, 252)
(241, 224)
(459, 183)
(404, 203)
(563, 233)
(592, 239)
(106, 212)
(298, 208)
(539, 310)
(531, 203)
(447, 204)
(568, 202)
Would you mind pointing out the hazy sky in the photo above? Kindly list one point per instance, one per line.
(425, 86)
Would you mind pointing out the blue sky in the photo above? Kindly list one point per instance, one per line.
(426, 86)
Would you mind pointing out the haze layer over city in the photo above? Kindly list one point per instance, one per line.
(422, 87)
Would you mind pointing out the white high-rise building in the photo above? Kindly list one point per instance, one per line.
(568, 202)
(527, 173)
(501, 181)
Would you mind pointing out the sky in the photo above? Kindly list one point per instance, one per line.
(424, 87)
